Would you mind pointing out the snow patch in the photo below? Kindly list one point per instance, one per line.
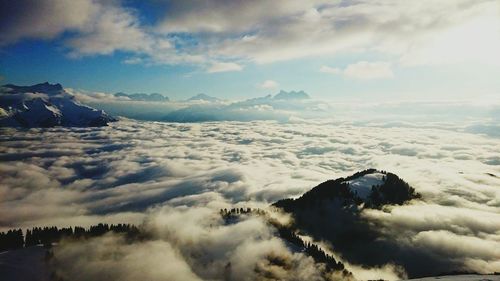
(362, 186)
(46, 105)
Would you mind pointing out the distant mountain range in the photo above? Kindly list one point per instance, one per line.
(261, 108)
(46, 105)
(292, 95)
(282, 95)
(155, 97)
(143, 97)
(203, 97)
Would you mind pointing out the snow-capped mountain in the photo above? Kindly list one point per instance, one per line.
(203, 97)
(46, 105)
(292, 95)
(153, 97)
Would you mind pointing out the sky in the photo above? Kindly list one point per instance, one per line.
(334, 50)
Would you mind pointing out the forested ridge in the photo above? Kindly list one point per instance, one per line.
(392, 191)
(16, 239)
(287, 233)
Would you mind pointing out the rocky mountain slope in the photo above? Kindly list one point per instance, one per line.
(46, 105)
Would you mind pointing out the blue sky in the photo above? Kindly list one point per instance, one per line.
(241, 49)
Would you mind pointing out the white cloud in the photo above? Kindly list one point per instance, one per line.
(112, 257)
(95, 27)
(113, 28)
(269, 84)
(194, 244)
(114, 174)
(473, 38)
(369, 70)
(224, 67)
(133, 60)
(98, 27)
(409, 33)
(314, 29)
(330, 70)
(363, 70)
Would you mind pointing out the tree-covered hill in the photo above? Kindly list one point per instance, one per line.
(333, 212)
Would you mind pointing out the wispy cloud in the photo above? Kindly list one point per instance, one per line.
(369, 70)
(330, 70)
(362, 70)
(224, 67)
(269, 84)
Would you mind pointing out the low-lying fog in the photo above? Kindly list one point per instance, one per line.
(176, 176)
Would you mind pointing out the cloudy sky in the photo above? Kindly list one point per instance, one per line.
(427, 70)
(384, 49)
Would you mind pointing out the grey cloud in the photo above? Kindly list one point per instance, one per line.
(253, 15)
(42, 19)
(94, 27)
(487, 129)
(100, 27)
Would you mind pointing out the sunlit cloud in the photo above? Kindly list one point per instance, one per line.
(362, 70)
(269, 84)
(330, 70)
(224, 67)
(124, 172)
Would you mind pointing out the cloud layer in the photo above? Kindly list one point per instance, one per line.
(211, 34)
(170, 172)
(187, 244)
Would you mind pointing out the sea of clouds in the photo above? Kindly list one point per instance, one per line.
(174, 177)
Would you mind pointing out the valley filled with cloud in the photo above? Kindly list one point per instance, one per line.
(174, 178)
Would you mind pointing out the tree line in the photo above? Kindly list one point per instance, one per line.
(15, 238)
(289, 235)
(392, 190)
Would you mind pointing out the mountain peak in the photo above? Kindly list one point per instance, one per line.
(45, 88)
(292, 95)
(143, 96)
(334, 211)
(369, 188)
(203, 97)
(56, 107)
